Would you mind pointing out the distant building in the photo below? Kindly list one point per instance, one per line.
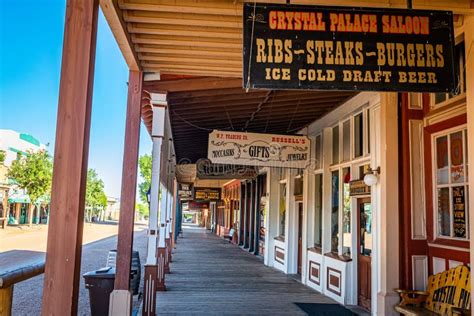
(14, 144)
(14, 201)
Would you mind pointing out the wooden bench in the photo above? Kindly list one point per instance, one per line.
(448, 293)
(17, 266)
(230, 236)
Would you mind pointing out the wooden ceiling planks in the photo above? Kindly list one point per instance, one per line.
(185, 37)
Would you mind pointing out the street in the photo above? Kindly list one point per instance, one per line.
(98, 240)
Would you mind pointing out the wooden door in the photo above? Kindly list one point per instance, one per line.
(364, 256)
(300, 235)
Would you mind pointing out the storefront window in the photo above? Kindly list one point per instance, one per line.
(335, 211)
(346, 220)
(335, 144)
(460, 67)
(451, 184)
(282, 212)
(346, 140)
(318, 210)
(358, 136)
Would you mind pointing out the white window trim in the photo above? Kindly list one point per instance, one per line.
(435, 185)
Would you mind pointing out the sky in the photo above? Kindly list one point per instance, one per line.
(31, 39)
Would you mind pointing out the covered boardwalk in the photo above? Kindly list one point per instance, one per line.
(185, 61)
(211, 276)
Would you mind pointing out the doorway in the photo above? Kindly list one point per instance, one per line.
(299, 207)
(364, 256)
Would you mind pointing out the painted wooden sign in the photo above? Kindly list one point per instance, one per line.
(459, 208)
(358, 187)
(253, 149)
(207, 194)
(185, 192)
(346, 48)
(205, 169)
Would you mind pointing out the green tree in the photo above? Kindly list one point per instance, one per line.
(142, 209)
(144, 162)
(2, 156)
(33, 173)
(96, 200)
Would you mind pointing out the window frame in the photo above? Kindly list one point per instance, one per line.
(462, 95)
(435, 186)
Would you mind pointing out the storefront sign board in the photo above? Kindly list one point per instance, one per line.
(254, 149)
(345, 48)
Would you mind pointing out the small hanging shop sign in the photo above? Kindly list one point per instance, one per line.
(264, 150)
(358, 187)
(207, 194)
(205, 169)
(185, 192)
(346, 48)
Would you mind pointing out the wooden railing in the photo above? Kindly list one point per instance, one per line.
(17, 266)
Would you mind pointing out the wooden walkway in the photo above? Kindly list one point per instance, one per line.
(212, 277)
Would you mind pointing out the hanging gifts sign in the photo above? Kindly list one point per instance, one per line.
(264, 150)
(345, 48)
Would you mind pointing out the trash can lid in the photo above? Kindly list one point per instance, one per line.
(105, 273)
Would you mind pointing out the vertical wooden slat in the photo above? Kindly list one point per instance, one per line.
(63, 257)
(129, 181)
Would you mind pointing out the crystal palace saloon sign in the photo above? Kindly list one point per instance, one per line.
(310, 47)
(252, 149)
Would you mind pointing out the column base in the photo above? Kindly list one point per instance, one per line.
(386, 303)
(149, 290)
(160, 275)
(170, 252)
(120, 303)
(167, 256)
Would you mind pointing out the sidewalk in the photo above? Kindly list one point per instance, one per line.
(212, 277)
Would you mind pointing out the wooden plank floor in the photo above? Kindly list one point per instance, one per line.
(212, 277)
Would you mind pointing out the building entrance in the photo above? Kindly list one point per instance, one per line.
(364, 257)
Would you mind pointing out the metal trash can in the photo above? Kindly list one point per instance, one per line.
(100, 284)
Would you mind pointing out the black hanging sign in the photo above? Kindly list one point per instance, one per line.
(345, 48)
(459, 207)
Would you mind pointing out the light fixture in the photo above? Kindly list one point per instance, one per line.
(300, 174)
(371, 177)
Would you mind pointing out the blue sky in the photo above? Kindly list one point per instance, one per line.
(31, 37)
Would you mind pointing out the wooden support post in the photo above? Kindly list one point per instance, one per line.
(121, 298)
(6, 299)
(173, 213)
(151, 267)
(64, 247)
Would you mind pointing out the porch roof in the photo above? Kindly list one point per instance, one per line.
(204, 37)
(196, 46)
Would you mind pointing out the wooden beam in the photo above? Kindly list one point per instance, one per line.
(201, 73)
(64, 247)
(222, 52)
(113, 15)
(255, 97)
(183, 42)
(215, 8)
(190, 62)
(184, 30)
(129, 181)
(190, 19)
(191, 84)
